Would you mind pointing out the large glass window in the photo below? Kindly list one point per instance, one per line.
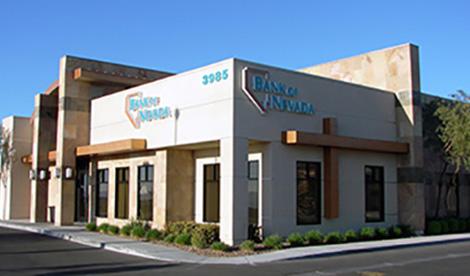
(211, 192)
(145, 200)
(102, 193)
(253, 188)
(374, 177)
(122, 193)
(308, 193)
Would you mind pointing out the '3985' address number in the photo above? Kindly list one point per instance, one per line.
(215, 77)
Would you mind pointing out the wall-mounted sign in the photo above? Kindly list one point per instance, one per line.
(267, 94)
(140, 109)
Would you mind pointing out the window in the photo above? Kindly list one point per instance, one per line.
(308, 193)
(122, 193)
(211, 192)
(102, 193)
(374, 177)
(145, 186)
(253, 187)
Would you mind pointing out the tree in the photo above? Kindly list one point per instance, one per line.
(6, 152)
(454, 132)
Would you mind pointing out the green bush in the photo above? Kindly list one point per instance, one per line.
(295, 239)
(381, 233)
(462, 225)
(220, 246)
(181, 227)
(395, 232)
(407, 230)
(153, 235)
(203, 235)
(334, 238)
(434, 228)
(103, 228)
(113, 230)
(138, 231)
(91, 226)
(183, 239)
(351, 236)
(444, 226)
(126, 230)
(273, 241)
(468, 225)
(247, 246)
(313, 237)
(170, 238)
(367, 234)
(453, 225)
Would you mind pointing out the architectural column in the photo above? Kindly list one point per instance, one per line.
(233, 190)
(45, 116)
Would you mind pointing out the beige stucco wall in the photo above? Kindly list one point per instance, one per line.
(17, 184)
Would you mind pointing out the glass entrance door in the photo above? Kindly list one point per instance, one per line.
(81, 195)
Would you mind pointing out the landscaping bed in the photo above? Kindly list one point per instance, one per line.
(203, 239)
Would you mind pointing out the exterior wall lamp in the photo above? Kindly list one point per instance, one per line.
(57, 172)
(68, 173)
(42, 174)
(32, 174)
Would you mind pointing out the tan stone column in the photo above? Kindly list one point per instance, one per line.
(45, 114)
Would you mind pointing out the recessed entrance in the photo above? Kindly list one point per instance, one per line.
(81, 192)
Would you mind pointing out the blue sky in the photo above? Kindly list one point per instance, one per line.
(179, 35)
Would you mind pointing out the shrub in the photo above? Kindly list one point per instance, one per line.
(407, 230)
(273, 241)
(247, 246)
(367, 234)
(138, 231)
(181, 227)
(153, 235)
(381, 233)
(220, 246)
(103, 228)
(295, 239)
(113, 230)
(468, 225)
(92, 226)
(351, 236)
(453, 225)
(444, 226)
(313, 237)
(170, 238)
(334, 237)
(462, 225)
(204, 235)
(126, 230)
(183, 239)
(395, 232)
(434, 228)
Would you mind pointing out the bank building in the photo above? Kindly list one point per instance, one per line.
(331, 147)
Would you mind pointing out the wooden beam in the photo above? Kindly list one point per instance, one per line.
(294, 137)
(331, 171)
(28, 159)
(81, 74)
(122, 146)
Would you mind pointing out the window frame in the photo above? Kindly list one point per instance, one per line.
(319, 189)
(139, 181)
(99, 182)
(382, 193)
(116, 191)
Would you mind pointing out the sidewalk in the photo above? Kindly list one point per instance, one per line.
(148, 250)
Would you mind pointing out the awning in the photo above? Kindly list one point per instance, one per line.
(115, 147)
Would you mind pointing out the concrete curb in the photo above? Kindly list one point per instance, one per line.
(174, 255)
